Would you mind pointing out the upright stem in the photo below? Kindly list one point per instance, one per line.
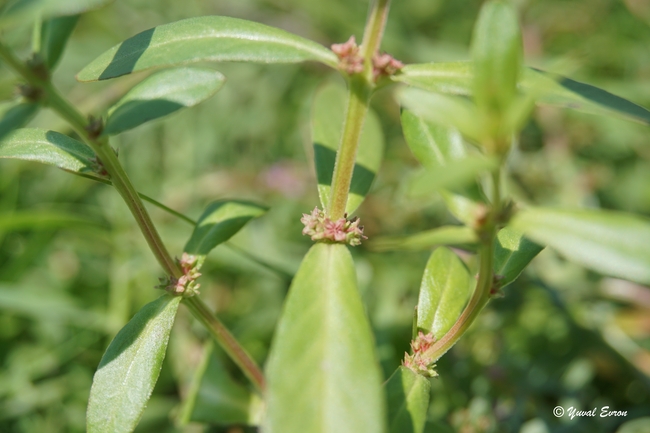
(374, 30)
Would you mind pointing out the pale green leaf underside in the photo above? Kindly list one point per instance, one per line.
(161, 94)
(456, 78)
(210, 38)
(611, 243)
(47, 147)
(219, 222)
(462, 208)
(130, 367)
(457, 173)
(445, 289)
(512, 253)
(322, 371)
(408, 401)
(446, 235)
(328, 113)
(18, 11)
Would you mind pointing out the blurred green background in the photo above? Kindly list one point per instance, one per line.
(74, 267)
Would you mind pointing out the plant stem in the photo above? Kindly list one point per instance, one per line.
(232, 347)
(374, 30)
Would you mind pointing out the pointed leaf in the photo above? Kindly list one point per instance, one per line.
(328, 113)
(17, 11)
(55, 33)
(47, 147)
(447, 235)
(219, 222)
(211, 38)
(433, 145)
(322, 372)
(161, 94)
(455, 174)
(408, 401)
(16, 117)
(512, 253)
(464, 209)
(130, 367)
(446, 288)
(612, 243)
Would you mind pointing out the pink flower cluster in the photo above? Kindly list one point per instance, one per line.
(419, 362)
(349, 59)
(321, 228)
(186, 285)
(385, 65)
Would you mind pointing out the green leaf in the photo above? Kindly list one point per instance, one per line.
(464, 209)
(161, 94)
(447, 235)
(211, 38)
(328, 112)
(17, 11)
(130, 367)
(55, 33)
(446, 287)
(322, 372)
(215, 398)
(457, 173)
(17, 116)
(497, 54)
(639, 425)
(47, 147)
(512, 253)
(43, 220)
(433, 145)
(611, 243)
(408, 401)
(219, 222)
(549, 89)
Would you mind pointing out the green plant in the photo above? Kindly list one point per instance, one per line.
(322, 371)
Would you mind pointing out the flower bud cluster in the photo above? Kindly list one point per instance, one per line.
(418, 362)
(350, 60)
(185, 285)
(321, 228)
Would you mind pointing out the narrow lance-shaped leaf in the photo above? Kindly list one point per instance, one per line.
(512, 253)
(323, 353)
(55, 33)
(17, 116)
(611, 243)
(219, 222)
(446, 288)
(447, 235)
(18, 11)
(161, 94)
(328, 113)
(130, 367)
(211, 38)
(47, 147)
(408, 401)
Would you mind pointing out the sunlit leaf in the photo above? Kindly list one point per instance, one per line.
(408, 401)
(611, 243)
(130, 367)
(322, 371)
(17, 11)
(219, 222)
(447, 235)
(512, 253)
(443, 77)
(328, 113)
(55, 33)
(457, 173)
(210, 38)
(16, 117)
(161, 94)
(464, 209)
(446, 287)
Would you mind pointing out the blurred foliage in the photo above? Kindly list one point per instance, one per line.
(561, 335)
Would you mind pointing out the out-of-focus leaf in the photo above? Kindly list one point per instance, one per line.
(512, 253)
(55, 33)
(219, 222)
(47, 147)
(433, 145)
(455, 174)
(639, 425)
(161, 94)
(408, 401)
(448, 235)
(42, 220)
(611, 243)
(497, 54)
(446, 287)
(17, 11)
(16, 117)
(323, 352)
(550, 89)
(464, 209)
(215, 398)
(130, 367)
(328, 113)
(211, 38)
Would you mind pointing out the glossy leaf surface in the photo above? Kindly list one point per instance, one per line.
(408, 401)
(512, 253)
(17, 116)
(322, 371)
(130, 367)
(219, 222)
(161, 94)
(611, 243)
(210, 38)
(47, 147)
(447, 235)
(328, 113)
(446, 287)
(55, 33)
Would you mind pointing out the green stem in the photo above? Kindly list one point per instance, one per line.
(232, 347)
(374, 30)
